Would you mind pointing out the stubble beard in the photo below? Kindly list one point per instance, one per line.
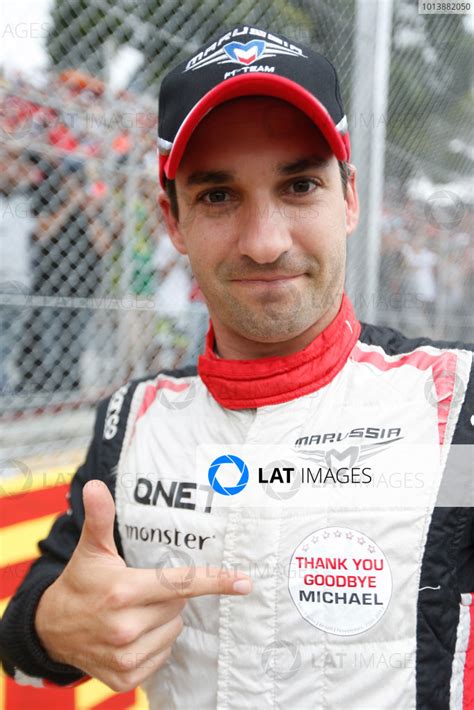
(273, 318)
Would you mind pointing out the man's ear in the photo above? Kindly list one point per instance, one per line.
(172, 224)
(352, 202)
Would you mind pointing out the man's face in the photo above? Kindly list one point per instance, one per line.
(263, 219)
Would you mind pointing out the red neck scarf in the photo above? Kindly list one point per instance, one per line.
(246, 384)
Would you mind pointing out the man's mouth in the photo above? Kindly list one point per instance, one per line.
(268, 279)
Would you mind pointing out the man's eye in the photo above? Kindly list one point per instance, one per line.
(301, 187)
(215, 196)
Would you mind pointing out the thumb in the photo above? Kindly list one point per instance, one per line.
(99, 510)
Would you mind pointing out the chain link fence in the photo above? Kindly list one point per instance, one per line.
(91, 291)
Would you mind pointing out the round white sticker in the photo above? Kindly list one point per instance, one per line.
(340, 581)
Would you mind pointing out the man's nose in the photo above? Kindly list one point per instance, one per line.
(264, 234)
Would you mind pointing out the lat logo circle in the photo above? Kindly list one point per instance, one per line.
(340, 581)
(228, 490)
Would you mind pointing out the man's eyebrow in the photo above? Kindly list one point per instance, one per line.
(302, 164)
(217, 177)
(212, 177)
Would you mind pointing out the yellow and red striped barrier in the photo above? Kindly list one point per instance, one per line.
(25, 518)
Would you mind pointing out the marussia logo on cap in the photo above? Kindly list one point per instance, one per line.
(245, 53)
(223, 51)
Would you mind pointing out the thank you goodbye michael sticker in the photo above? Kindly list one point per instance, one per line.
(340, 581)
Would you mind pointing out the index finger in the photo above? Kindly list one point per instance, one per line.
(163, 584)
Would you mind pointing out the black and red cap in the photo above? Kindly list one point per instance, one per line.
(247, 61)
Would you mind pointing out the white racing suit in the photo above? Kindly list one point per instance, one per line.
(385, 619)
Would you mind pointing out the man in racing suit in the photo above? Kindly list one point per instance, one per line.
(149, 579)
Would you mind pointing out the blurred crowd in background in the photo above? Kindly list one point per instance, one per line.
(92, 291)
(83, 248)
(426, 275)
